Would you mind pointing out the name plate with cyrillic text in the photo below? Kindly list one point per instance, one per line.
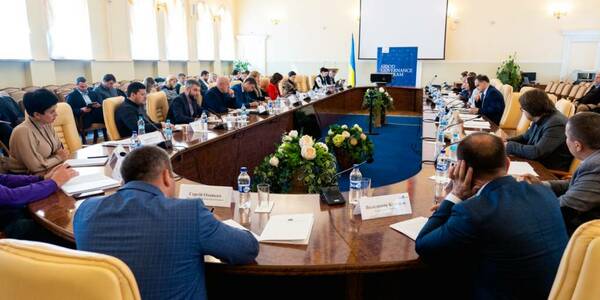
(385, 206)
(219, 196)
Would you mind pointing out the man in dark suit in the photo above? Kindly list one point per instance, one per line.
(591, 100)
(132, 109)
(242, 93)
(86, 105)
(106, 89)
(579, 197)
(219, 98)
(180, 82)
(10, 116)
(204, 76)
(544, 141)
(162, 239)
(185, 109)
(510, 233)
(490, 102)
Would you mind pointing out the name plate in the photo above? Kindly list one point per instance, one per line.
(261, 109)
(385, 206)
(219, 196)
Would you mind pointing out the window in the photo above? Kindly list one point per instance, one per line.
(69, 29)
(205, 33)
(143, 31)
(226, 43)
(15, 30)
(176, 31)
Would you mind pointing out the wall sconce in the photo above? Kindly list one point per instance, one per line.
(161, 5)
(275, 22)
(559, 10)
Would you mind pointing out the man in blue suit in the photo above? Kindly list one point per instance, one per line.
(219, 98)
(86, 106)
(242, 93)
(511, 233)
(184, 108)
(162, 239)
(490, 102)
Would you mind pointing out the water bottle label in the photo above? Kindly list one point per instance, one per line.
(244, 189)
(442, 167)
(355, 185)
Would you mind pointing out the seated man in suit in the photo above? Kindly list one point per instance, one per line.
(242, 93)
(106, 89)
(162, 239)
(204, 76)
(86, 105)
(490, 102)
(544, 141)
(180, 82)
(219, 98)
(321, 79)
(510, 234)
(132, 109)
(244, 75)
(185, 109)
(591, 100)
(10, 116)
(579, 197)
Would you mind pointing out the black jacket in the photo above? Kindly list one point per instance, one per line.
(10, 111)
(592, 97)
(217, 102)
(492, 105)
(75, 100)
(127, 116)
(179, 111)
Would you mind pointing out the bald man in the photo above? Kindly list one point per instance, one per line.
(220, 97)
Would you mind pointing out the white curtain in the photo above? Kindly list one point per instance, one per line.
(176, 31)
(15, 30)
(205, 33)
(69, 34)
(226, 42)
(143, 30)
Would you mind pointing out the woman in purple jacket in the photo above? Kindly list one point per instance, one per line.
(16, 191)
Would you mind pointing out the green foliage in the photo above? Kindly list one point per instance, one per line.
(380, 98)
(314, 167)
(241, 65)
(510, 72)
(352, 140)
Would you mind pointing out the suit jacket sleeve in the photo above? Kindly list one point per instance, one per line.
(129, 117)
(20, 190)
(592, 97)
(76, 103)
(559, 187)
(224, 242)
(179, 113)
(521, 139)
(552, 138)
(494, 105)
(583, 192)
(448, 233)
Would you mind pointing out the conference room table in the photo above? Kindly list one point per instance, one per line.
(343, 249)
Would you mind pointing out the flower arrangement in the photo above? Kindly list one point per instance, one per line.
(350, 144)
(510, 72)
(381, 101)
(298, 163)
(241, 65)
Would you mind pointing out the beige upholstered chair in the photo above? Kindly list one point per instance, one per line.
(312, 81)
(66, 128)
(507, 92)
(302, 83)
(565, 107)
(496, 83)
(9, 90)
(30, 88)
(556, 88)
(32, 270)
(512, 113)
(157, 106)
(579, 269)
(573, 92)
(581, 91)
(109, 106)
(553, 98)
(549, 86)
(565, 91)
(526, 89)
(523, 125)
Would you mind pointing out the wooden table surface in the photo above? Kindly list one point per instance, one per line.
(340, 242)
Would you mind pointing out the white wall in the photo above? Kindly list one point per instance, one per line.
(315, 33)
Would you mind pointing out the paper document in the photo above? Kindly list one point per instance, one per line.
(87, 183)
(152, 138)
(520, 168)
(476, 124)
(410, 228)
(237, 225)
(89, 162)
(288, 229)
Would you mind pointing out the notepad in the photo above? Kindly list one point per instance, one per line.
(410, 228)
(87, 183)
(288, 229)
(520, 168)
(477, 124)
(88, 162)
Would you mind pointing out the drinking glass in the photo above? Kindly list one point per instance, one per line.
(263, 195)
(365, 187)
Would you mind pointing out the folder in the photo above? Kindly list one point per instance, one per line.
(292, 229)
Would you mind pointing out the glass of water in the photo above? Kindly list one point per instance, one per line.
(263, 195)
(230, 121)
(365, 187)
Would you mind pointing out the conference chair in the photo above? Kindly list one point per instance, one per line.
(66, 128)
(157, 106)
(33, 270)
(302, 83)
(235, 82)
(312, 81)
(565, 107)
(553, 98)
(526, 89)
(68, 86)
(558, 87)
(9, 90)
(523, 125)
(568, 174)
(62, 95)
(565, 91)
(109, 106)
(507, 91)
(579, 269)
(549, 86)
(580, 92)
(52, 87)
(18, 97)
(573, 92)
(496, 83)
(512, 113)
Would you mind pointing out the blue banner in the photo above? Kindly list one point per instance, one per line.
(401, 62)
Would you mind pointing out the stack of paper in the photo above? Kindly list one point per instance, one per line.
(89, 162)
(88, 183)
(520, 168)
(477, 124)
(410, 228)
(288, 229)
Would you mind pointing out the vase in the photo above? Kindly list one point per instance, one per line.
(344, 159)
(383, 119)
(297, 185)
(376, 120)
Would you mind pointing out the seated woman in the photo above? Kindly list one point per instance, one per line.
(467, 89)
(545, 140)
(273, 88)
(289, 86)
(16, 191)
(151, 85)
(258, 94)
(169, 88)
(34, 146)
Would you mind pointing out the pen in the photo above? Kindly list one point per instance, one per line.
(212, 209)
(101, 156)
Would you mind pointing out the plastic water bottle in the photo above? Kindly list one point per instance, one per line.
(454, 146)
(141, 125)
(135, 141)
(355, 182)
(204, 122)
(168, 131)
(244, 188)
(440, 142)
(441, 167)
(243, 110)
(270, 107)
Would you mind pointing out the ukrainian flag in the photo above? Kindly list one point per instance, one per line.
(352, 66)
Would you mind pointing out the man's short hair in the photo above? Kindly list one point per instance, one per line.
(191, 83)
(39, 101)
(483, 152)
(80, 79)
(145, 164)
(584, 127)
(291, 73)
(464, 74)
(204, 73)
(472, 74)
(109, 77)
(537, 103)
(246, 72)
(134, 87)
(481, 77)
(235, 72)
(323, 69)
(180, 74)
(251, 81)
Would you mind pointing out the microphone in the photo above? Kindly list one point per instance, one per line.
(432, 79)
(461, 122)
(368, 161)
(220, 125)
(166, 144)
